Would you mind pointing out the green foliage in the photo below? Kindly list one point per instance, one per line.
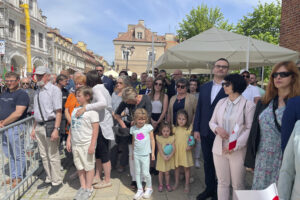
(263, 23)
(201, 19)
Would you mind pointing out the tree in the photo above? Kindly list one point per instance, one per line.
(263, 24)
(200, 19)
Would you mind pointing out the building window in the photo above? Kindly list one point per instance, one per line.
(2, 32)
(22, 33)
(30, 4)
(1, 13)
(32, 37)
(41, 40)
(139, 35)
(11, 28)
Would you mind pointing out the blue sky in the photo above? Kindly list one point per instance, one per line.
(97, 22)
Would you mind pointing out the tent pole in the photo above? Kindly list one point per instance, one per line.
(210, 75)
(248, 54)
(262, 77)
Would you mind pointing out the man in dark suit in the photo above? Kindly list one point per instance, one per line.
(209, 95)
(290, 116)
(108, 83)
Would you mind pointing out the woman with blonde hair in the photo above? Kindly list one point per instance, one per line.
(264, 153)
(132, 101)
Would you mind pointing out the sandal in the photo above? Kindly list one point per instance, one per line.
(186, 189)
(160, 188)
(102, 184)
(96, 181)
(169, 189)
(175, 187)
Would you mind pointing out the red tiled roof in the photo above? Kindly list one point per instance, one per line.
(130, 36)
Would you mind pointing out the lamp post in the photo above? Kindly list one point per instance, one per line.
(126, 52)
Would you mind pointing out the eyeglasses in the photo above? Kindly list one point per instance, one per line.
(159, 84)
(221, 66)
(281, 74)
(121, 83)
(226, 84)
(181, 86)
(25, 83)
(246, 76)
(10, 81)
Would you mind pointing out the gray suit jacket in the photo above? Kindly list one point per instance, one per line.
(289, 177)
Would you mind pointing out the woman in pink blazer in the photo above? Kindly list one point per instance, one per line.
(231, 122)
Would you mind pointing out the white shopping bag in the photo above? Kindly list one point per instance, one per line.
(269, 193)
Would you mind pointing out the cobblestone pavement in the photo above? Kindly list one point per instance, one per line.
(120, 189)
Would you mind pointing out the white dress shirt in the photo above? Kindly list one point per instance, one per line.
(215, 90)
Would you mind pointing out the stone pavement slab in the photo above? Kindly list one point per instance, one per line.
(120, 189)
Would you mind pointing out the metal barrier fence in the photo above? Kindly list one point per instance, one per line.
(19, 158)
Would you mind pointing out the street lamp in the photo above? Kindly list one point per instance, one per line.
(126, 52)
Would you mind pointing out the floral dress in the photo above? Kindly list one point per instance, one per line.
(269, 155)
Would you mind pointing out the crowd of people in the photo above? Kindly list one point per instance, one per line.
(157, 126)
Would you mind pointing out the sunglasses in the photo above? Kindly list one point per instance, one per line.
(10, 81)
(99, 70)
(281, 74)
(221, 66)
(25, 83)
(180, 86)
(226, 84)
(246, 76)
(159, 84)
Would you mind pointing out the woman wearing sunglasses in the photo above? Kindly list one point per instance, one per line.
(159, 102)
(183, 100)
(264, 153)
(231, 122)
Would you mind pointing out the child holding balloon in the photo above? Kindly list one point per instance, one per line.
(165, 141)
(183, 144)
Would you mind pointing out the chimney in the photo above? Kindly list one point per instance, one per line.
(56, 30)
(142, 22)
(130, 26)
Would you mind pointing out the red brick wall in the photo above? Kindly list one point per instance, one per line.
(290, 25)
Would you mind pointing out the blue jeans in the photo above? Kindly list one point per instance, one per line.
(13, 148)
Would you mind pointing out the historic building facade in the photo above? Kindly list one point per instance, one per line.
(140, 37)
(65, 55)
(13, 32)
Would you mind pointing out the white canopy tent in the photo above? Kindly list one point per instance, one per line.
(201, 51)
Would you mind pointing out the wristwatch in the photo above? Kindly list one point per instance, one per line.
(57, 128)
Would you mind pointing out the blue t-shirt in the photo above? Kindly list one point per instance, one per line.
(9, 101)
(141, 139)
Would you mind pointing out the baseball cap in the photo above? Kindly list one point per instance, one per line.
(42, 70)
(244, 70)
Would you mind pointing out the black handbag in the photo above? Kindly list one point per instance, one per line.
(50, 124)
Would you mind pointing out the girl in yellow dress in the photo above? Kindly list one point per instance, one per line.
(183, 154)
(165, 162)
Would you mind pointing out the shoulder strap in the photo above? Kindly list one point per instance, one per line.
(275, 106)
(38, 98)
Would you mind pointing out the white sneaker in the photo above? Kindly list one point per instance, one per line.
(147, 193)
(138, 195)
(197, 163)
